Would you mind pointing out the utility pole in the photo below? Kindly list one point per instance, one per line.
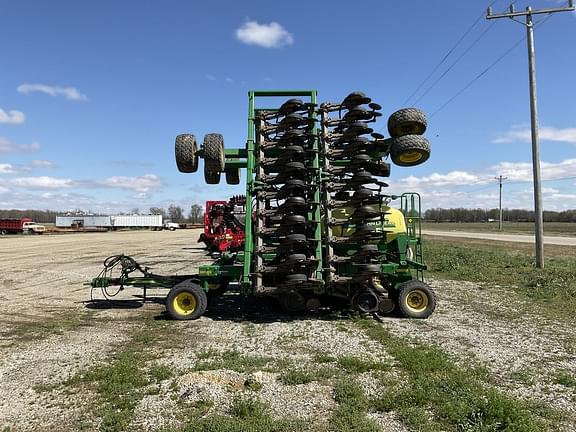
(528, 13)
(500, 180)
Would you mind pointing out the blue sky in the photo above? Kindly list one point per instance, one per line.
(92, 94)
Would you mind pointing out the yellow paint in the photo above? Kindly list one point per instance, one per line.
(417, 300)
(394, 222)
(184, 303)
(410, 156)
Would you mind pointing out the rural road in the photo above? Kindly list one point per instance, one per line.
(519, 238)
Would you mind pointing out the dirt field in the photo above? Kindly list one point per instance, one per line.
(68, 365)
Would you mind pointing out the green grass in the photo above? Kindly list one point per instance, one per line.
(247, 414)
(350, 415)
(553, 287)
(437, 395)
(295, 377)
(357, 365)
(565, 378)
(124, 379)
(550, 228)
(35, 328)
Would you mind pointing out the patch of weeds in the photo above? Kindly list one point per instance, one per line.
(342, 327)
(439, 395)
(207, 354)
(233, 360)
(253, 385)
(191, 411)
(523, 376)
(352, 407)
(323, 357)
(123, 381)
(249, 329)
(295, 377)
(358, 365)
(45, 388)
(247, 414)
(564, 378)
(248, 408)
(34, 329)
(160, 372)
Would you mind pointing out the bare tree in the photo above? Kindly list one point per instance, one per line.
(175, 213)
(195, 215)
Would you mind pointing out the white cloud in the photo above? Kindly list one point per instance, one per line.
(144, 183)
(8, 147)
(229, 80)
(11, 117)
(38, 163)
(7, 168)
(210, 77)
(41, 182)
(70, 93)
(523, 134)
(522, 171)
(480, 190)
(271, 35)
(4, 190)
(453, 178)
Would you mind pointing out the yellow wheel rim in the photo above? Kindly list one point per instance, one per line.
(184, 303)
(410, 157)
(417, 300)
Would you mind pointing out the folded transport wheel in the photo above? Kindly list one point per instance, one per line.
(410, 150)
(416, 299)
(232, 176)
(407, 121)
(186, 301)
(214, 160)
(186, 153)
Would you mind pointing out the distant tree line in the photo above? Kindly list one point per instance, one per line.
(42, 216)
(174, 213)
(484, 215)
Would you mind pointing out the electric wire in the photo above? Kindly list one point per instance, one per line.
(458, 42)
(481, 74)
(455, 62)
(512, 182)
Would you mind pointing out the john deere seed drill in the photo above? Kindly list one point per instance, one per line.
(319, 224)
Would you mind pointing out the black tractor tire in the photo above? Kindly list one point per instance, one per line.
(410, 150)
(232, 176)
(214, 160)
(407, 121)
(186, 301)
(416, 299)
(292, 302)
(379, 169)
(211, 177)
(186, 152)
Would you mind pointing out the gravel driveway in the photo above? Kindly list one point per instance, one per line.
(49, 337)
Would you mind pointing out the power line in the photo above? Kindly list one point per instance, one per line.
(458, 42)
(481, 74)
(455, 63)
